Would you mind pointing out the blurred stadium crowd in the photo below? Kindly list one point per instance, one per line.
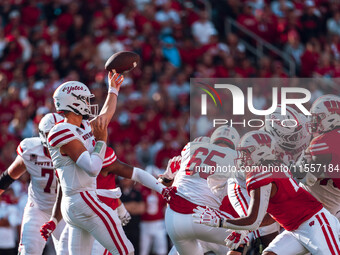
(44, 43)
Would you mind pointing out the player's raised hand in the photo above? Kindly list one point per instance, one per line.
(47, 229)
(206, 216)
(99, 129)
(234, 240)
(115, 80)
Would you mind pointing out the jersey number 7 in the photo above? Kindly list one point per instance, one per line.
(50, 173)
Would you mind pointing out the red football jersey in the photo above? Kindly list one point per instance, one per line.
(328, 143)
(109, 181)
(291, 205)
(227, 207)
(154, 203)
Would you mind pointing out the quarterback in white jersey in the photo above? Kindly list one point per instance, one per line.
(198, 161)
(78, 156)
(33, 157)
(78, 159)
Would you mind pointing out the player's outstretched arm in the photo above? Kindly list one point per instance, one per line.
(134, 173)
(109, 107)
(257, 210)
(14, 172)
(259, 201)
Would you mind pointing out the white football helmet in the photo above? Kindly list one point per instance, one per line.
(225, 134)
(46, 124)
(325, 114)
(255, 147)
(202, 139)
(288, 130)
(75, 97)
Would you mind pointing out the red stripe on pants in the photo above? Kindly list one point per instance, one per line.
(331, 232)
(325, 234)
(104, 221)
(112, 221)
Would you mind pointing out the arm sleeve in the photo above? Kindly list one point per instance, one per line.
(146, 179)
(264, 202)
(92, 163)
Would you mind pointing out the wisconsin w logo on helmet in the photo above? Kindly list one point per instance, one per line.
(332, 106)
(263, 139)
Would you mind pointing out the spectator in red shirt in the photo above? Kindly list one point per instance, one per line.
(246, 18)
(309, 59)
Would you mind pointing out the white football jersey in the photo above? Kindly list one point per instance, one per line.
(43, 185)
(329, 195)
(198, 162)
(73, 179)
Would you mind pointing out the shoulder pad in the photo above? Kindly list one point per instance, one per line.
(61, 134)
(28, 144)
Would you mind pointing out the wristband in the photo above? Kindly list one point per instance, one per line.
(5, 180)
(54, 220)
(113, 90)
(100, 149)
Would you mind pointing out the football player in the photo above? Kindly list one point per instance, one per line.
(34, 158)
(322, 158)
(292, 138)
(308, 226)
(191, 190)
(78, 159)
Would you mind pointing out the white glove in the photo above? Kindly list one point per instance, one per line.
(123, 215)
(206, 216)
(235, 239)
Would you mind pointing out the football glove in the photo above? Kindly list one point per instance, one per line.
(123, 215)
(235, 239)
(168, 192)
(207, 216)
(47, 229)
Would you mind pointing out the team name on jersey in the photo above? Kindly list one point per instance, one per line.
(43, 163)
(88, 135)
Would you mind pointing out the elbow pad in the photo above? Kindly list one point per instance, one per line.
(264, 202)
(5, 180)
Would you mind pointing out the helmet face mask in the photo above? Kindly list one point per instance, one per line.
(288, 137)
(244, 158)
(225, 135)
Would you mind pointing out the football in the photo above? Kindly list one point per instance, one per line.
(122, 62)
